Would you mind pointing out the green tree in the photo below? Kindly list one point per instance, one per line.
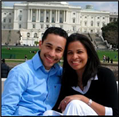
(36, 43)
(110, 33)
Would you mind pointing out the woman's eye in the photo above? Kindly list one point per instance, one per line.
(79, 52)
(69, 53)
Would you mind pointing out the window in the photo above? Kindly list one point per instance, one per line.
(19, 25)
(61, 21)
(80, 22)
(47, 19)
(47, 26)
(5, 13)
(20, 18)
(85, 16)
(35, 35)
(74, 13)
(4, 27)
(91, 31)
(41, 26)
(41, 20)
(61, 26)
(103, 17)
(98, 17)
(103, 24)
(85, 23)
(53, 20)
(33, 19)
(28, 35)
(91, 23)
(98, 24)
(9, 20)
(74, 28)
(34, 26)
(73, 20)
(4, 20)
(20, 11)
(9, 13)
(41, 12)
(34, 11)
(9, 26)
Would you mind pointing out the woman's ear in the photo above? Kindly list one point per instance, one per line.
(40, 43)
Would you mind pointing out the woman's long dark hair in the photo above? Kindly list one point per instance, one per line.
(70, 77)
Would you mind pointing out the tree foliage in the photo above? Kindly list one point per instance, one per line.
(110, 33)
(36, 43)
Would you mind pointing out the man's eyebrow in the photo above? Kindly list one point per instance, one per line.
(48, 43)
(57, 47)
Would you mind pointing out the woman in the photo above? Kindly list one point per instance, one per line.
(87, 88)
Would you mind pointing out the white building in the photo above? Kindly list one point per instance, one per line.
(33, 18)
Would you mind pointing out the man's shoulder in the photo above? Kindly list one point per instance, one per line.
(22, 67)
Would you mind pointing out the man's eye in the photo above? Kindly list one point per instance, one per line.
(58, 50)
(48, 46)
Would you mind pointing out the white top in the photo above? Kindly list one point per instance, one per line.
(108, 110)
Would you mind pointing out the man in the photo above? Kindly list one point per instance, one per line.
(4, 69)
(33, 86)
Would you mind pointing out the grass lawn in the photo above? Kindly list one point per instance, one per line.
(112, 54)
(20, 52)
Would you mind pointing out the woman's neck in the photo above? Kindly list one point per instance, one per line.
(80, 83)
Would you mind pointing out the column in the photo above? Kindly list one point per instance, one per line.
(14, 15)
(67, 19)
(28, 14)
(56, 17)
(31, 14)
(50, 16)
(64, 17)
(44, 15)
(39, 15)
(36, 15)
(101, 22)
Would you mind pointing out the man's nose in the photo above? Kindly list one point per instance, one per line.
(52, 53)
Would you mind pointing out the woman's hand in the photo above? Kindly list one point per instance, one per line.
(68, 99)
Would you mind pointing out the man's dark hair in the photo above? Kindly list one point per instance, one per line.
(70, 77)
(3, 60)
(56, 31)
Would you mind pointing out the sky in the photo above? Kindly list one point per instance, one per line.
(111, 6)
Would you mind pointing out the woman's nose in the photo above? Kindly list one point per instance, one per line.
(74, 56)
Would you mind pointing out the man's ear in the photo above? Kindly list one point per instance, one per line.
(40, 43)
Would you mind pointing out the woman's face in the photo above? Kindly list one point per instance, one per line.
(77, 56)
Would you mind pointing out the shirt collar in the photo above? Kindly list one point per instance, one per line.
(37, 63)
(95, 78)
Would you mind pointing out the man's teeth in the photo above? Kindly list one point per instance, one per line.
(49, 59)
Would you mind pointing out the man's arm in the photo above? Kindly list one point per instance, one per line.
(14, 86)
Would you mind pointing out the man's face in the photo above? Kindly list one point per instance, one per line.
(52, 50)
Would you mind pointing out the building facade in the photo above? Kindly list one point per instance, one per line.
(33, 18)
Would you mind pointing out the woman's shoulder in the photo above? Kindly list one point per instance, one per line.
(102, 69)
(104, 72)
